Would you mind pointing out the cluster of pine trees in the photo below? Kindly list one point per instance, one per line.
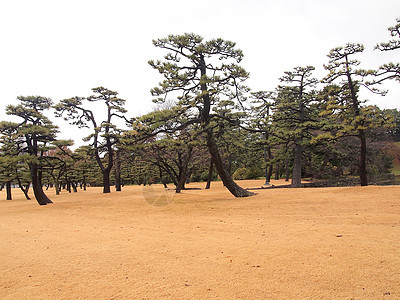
(207, 124)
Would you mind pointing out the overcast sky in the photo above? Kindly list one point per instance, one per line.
(61, 49)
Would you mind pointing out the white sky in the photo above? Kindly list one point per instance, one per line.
(60, 48)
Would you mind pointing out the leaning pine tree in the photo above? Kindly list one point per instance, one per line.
(202, 72)
(33, 134)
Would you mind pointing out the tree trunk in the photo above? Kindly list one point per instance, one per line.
(361, 132)
(117, 171)
(209, 177)
(226, 178)
(105, 170)
(23, 188)
(56, 185)
(287, 169)
(181, 184)
(363, 158)
(269, 174)
(25, 191)
(57, 188)
(8, 190)
(171, 175)
(106, 181)
(277, 171)
(267, 158)
(163, 181)
(266, 167)
(118, 186)
(183, 172)
(40, 196)
(231, 185)
(296, 177)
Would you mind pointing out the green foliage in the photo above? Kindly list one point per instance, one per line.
(247, 173)
(28, 142)
(395, 42)
(255, 172)
(198, 71)
(105, 135)
(143, 172)
(203, 175)
(241, 174)
(206, 81)
(389, 71)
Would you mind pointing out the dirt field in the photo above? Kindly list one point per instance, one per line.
(145, 243)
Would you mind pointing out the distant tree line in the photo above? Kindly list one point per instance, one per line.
(207, 125)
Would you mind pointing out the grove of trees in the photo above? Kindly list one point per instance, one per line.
(208, 125)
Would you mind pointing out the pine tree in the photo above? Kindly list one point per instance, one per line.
(33, 137)
(200, 73)
(294, 116)
(342, 68)
(105, 134)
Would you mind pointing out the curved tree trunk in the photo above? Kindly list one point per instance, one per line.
(223, 173)
(161, 177)
(105, 170)
(23, 188)
(171, 174)
(26, 190)
(40, 196)
(231, 185)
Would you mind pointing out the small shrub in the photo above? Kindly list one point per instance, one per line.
(240, 174)
(254, 173)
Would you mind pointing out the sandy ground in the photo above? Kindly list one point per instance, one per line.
(146, 243)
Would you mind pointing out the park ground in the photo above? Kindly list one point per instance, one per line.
(148, 243)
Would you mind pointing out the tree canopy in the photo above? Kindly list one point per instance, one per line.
(307, 127)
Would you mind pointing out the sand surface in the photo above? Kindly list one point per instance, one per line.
(146, 243)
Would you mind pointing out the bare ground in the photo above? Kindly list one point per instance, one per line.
(147, 243)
